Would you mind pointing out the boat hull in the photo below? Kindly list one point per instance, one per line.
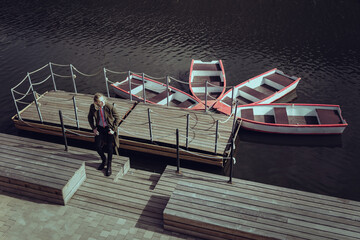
(292, 118)
(256, 92)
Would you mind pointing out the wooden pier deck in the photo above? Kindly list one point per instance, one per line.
(194, 203)
(204, 205)
(134, 129)
(44, 171)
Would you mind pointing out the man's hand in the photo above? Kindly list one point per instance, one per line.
(111, 132)
(95, 131)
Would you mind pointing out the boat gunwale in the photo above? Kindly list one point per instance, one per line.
(224, 80)
(344, 124)
(262, 100)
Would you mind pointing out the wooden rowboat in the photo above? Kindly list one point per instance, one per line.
(155, 92)
(264, 88)
(285, 118)
(207, 76)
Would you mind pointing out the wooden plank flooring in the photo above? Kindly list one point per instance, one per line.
(206, 205)
(134, 129)
(39, 170)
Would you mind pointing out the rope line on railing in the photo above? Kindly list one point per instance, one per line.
(24, 94)
(19, 83)
(62, 76)
(38, 83)
(198, 154)
(72, 119)
(209, 83)
(176, 80)
(154, 78)
(114, 72)
(39, 69)
(78, 134)
(60, 65)
(23, 102)
(226, 119)
(88, 75)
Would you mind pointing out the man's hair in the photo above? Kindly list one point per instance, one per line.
(97, 96)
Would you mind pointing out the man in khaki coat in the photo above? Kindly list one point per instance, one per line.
(104, 121)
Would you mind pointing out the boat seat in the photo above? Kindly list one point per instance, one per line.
(199, 81)
(247, 113)
(281, 116)
(206, 67)
(253, 92)
(186, 104)
(134, 84)
(328, 116)
(280, 79)
(160, 96)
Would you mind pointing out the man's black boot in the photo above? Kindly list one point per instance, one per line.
(108, 169)
(102, 165)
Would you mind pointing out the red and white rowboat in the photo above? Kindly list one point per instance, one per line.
(285, 118)
(264, 88)
(155, 92)
(207, 76)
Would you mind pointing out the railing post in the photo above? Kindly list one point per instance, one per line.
(231, 159)
(177, 152)
(36, 102)
(206, 92)
(106, 82)
(150, 128)
(76, 113)
(73, 77)
(232, 99)
(144, 93)
(167, 90)
(187, 130)
(234, 121)
(129, 81)
(63, 130)
(52, 76)
(216, 135)
(16, 106)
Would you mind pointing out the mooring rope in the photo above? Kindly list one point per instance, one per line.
(226, 119)
(20, 83)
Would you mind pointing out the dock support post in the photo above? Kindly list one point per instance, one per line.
(129, 81)
(144, 93)
(206, 94)
(36, 102)
(167, 90)
(73, 77)
(16, 106)
(63, 130)
(52, 76)
(177, 152)
(232, 99)
(216, 135)
(231, 159)
(106, 83)
(76, 113)
(187, 130)
(150, 128)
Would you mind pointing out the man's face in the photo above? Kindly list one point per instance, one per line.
(100, 102)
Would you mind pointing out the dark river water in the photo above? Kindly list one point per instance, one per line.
(318, 41)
